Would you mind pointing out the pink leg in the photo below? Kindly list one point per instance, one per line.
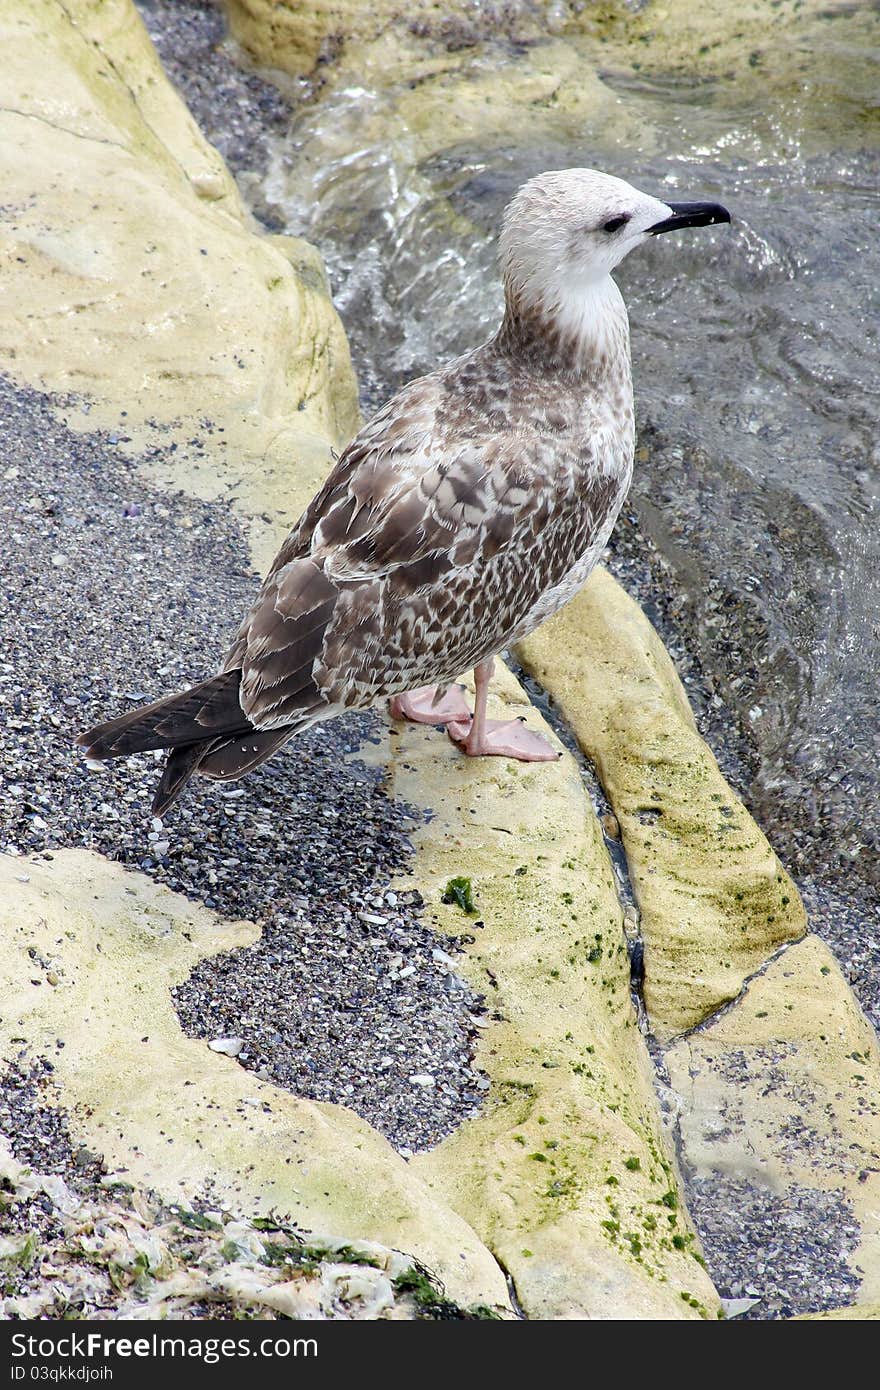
(430, 705)
(506, 738)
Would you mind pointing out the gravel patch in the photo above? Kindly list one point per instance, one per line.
(784, 1252)
(111, 593)
(36, 1135)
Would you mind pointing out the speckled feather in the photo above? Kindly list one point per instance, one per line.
(458, 519)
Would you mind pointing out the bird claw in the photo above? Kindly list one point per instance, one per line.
(425, 706)
(503, 738)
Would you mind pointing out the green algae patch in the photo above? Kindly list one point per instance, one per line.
(431, 1301)
(572, 1090)
(460, 891)
(713, 898)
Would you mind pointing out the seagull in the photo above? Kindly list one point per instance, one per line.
(468, 510)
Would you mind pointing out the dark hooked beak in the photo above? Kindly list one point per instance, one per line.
(691, 215)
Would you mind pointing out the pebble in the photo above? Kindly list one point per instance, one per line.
(735, 1307)
(779, 1253)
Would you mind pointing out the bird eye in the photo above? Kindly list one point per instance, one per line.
(614, 224)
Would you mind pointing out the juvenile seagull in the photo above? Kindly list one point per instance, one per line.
(471, 508)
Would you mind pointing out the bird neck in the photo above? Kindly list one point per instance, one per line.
(582, 332)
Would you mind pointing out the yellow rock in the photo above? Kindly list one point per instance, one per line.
(292, 35)
(856, 1312)
(131, 273)
(785, 1088)
(165, 1111)
(565, 1174)
(533, 69)
(713, 898)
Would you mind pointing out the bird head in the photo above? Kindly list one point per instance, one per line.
(565, 231)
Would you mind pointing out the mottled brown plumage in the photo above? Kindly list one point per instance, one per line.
(471, 507)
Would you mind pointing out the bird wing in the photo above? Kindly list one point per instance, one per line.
(420, 549)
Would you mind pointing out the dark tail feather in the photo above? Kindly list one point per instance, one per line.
(227, 759)
(218, 758)
(179, 767)
(204, 729)
(194, 716)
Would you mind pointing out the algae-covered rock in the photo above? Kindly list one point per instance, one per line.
(713, 898)
(565, 1174)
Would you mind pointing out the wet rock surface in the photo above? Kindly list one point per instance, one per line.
(129, 593)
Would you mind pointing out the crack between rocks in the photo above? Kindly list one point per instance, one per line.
(63, 129)
(543, 702)
(671, 1112)
(670, 1115)
(511, 1285)
(731, 1004)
